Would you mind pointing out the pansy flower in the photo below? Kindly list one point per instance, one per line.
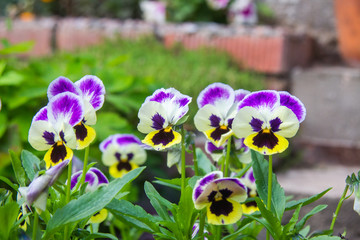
(217, 4)
(91, 91)
(249, 181)
(221, 197)
(217, 108)
(37, 192)
(23, 224)
(159, 114)
(266, 118)
(122, 153)
(52, 128)
(243, 12)
(95, 178)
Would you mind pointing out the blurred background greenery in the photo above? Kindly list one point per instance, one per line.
(130, 69)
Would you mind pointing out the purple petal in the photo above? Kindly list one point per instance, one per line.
(56, 171)
(101, 177)
(214, 93)
(60, 85)
(183, 101)
(275, 124)
(162, 95)
(235, 180)
(66, 107)
(202, 183)
(49, 137)
(104, 144)
(75, 179)
(90, 178)
(210, 147)
(158, 121)
(256, 124)
(93, 89)
(268, 99)
(41, 115)
(293, 103)
(240, 94)
(124, 139)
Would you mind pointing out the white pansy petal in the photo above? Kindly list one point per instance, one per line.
(109, 155)
(153, 116)
(89, 114)
(69, 136)
(247, 121)
(41, 135)
(138, 153)
(217, 94)
(207, 118)
(93, 90)
(284, 122)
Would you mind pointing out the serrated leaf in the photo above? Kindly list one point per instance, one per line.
(305, 201)
(90, 203)
(31, 164)
(18, 169)
(204, 163)
(260, 167)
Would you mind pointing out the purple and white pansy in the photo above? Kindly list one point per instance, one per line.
(242, 12)
(94, 179)
(52, 127)
(91, 91)
(221, 197)
(37, 192)
(249, 181)
(218, 105)
(266, 118)
(217, 4)
(122, 153)
(159, 114)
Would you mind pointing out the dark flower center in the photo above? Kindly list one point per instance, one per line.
(58, 153)
(265, 138)
(80, 131)
(164, 137)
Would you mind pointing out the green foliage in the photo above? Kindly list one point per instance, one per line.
(18, 169)
(88, 204)
(8, 215)
(31, 164)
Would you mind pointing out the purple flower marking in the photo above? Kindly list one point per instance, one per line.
(49, 137)
(214, 121)
(158, 121)
(104, 144)
(74, 179)
(240, 94)
(60, 85)
(69, 105)
(230, 121)
(90, 178)
(41, 115)
(294, 104)
(210, 147)
(256, 124)
(203, 182)
(235, 180)
(183, 101)
(212, 95)
(92, 87)
(126, 139)
(275, 124)
(248, 11)
(266, 98)
(162, 96)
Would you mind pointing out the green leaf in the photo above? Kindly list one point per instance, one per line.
(31, 164)
(260, 167)
(90, 203)
(8, 215)
(101, 235)
(314, 211)
(305, 201)
(204, 163)
(18, 48)
(3, 123)
(8, 182)
(270, 217)
(325, 238)
(185, 216)
(129, 212)
(173, 183)
(290, 226)
(160, 204)
(18, 169)
(182, 120)
(2, 66)
(11, 78)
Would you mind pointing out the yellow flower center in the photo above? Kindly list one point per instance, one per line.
(223, 127)
(168, 129)
(266, 130)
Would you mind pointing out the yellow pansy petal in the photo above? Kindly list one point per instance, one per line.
(266, 143)
(224, 211)
(23, 224)
(84, 135)
(121, 168)
(57, 153)
(218, 136)
(162, 139)
(99, 216)
(249, 209)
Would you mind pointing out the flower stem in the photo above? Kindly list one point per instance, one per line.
(217, 232)
(67, 198)
(343, 197)
(86, 157)
(226, 171)
(36, 221)
(202, 225)
(183, 166)
(268, 203)
(196, 168)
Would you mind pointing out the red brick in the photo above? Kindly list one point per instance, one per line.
(38, 30)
